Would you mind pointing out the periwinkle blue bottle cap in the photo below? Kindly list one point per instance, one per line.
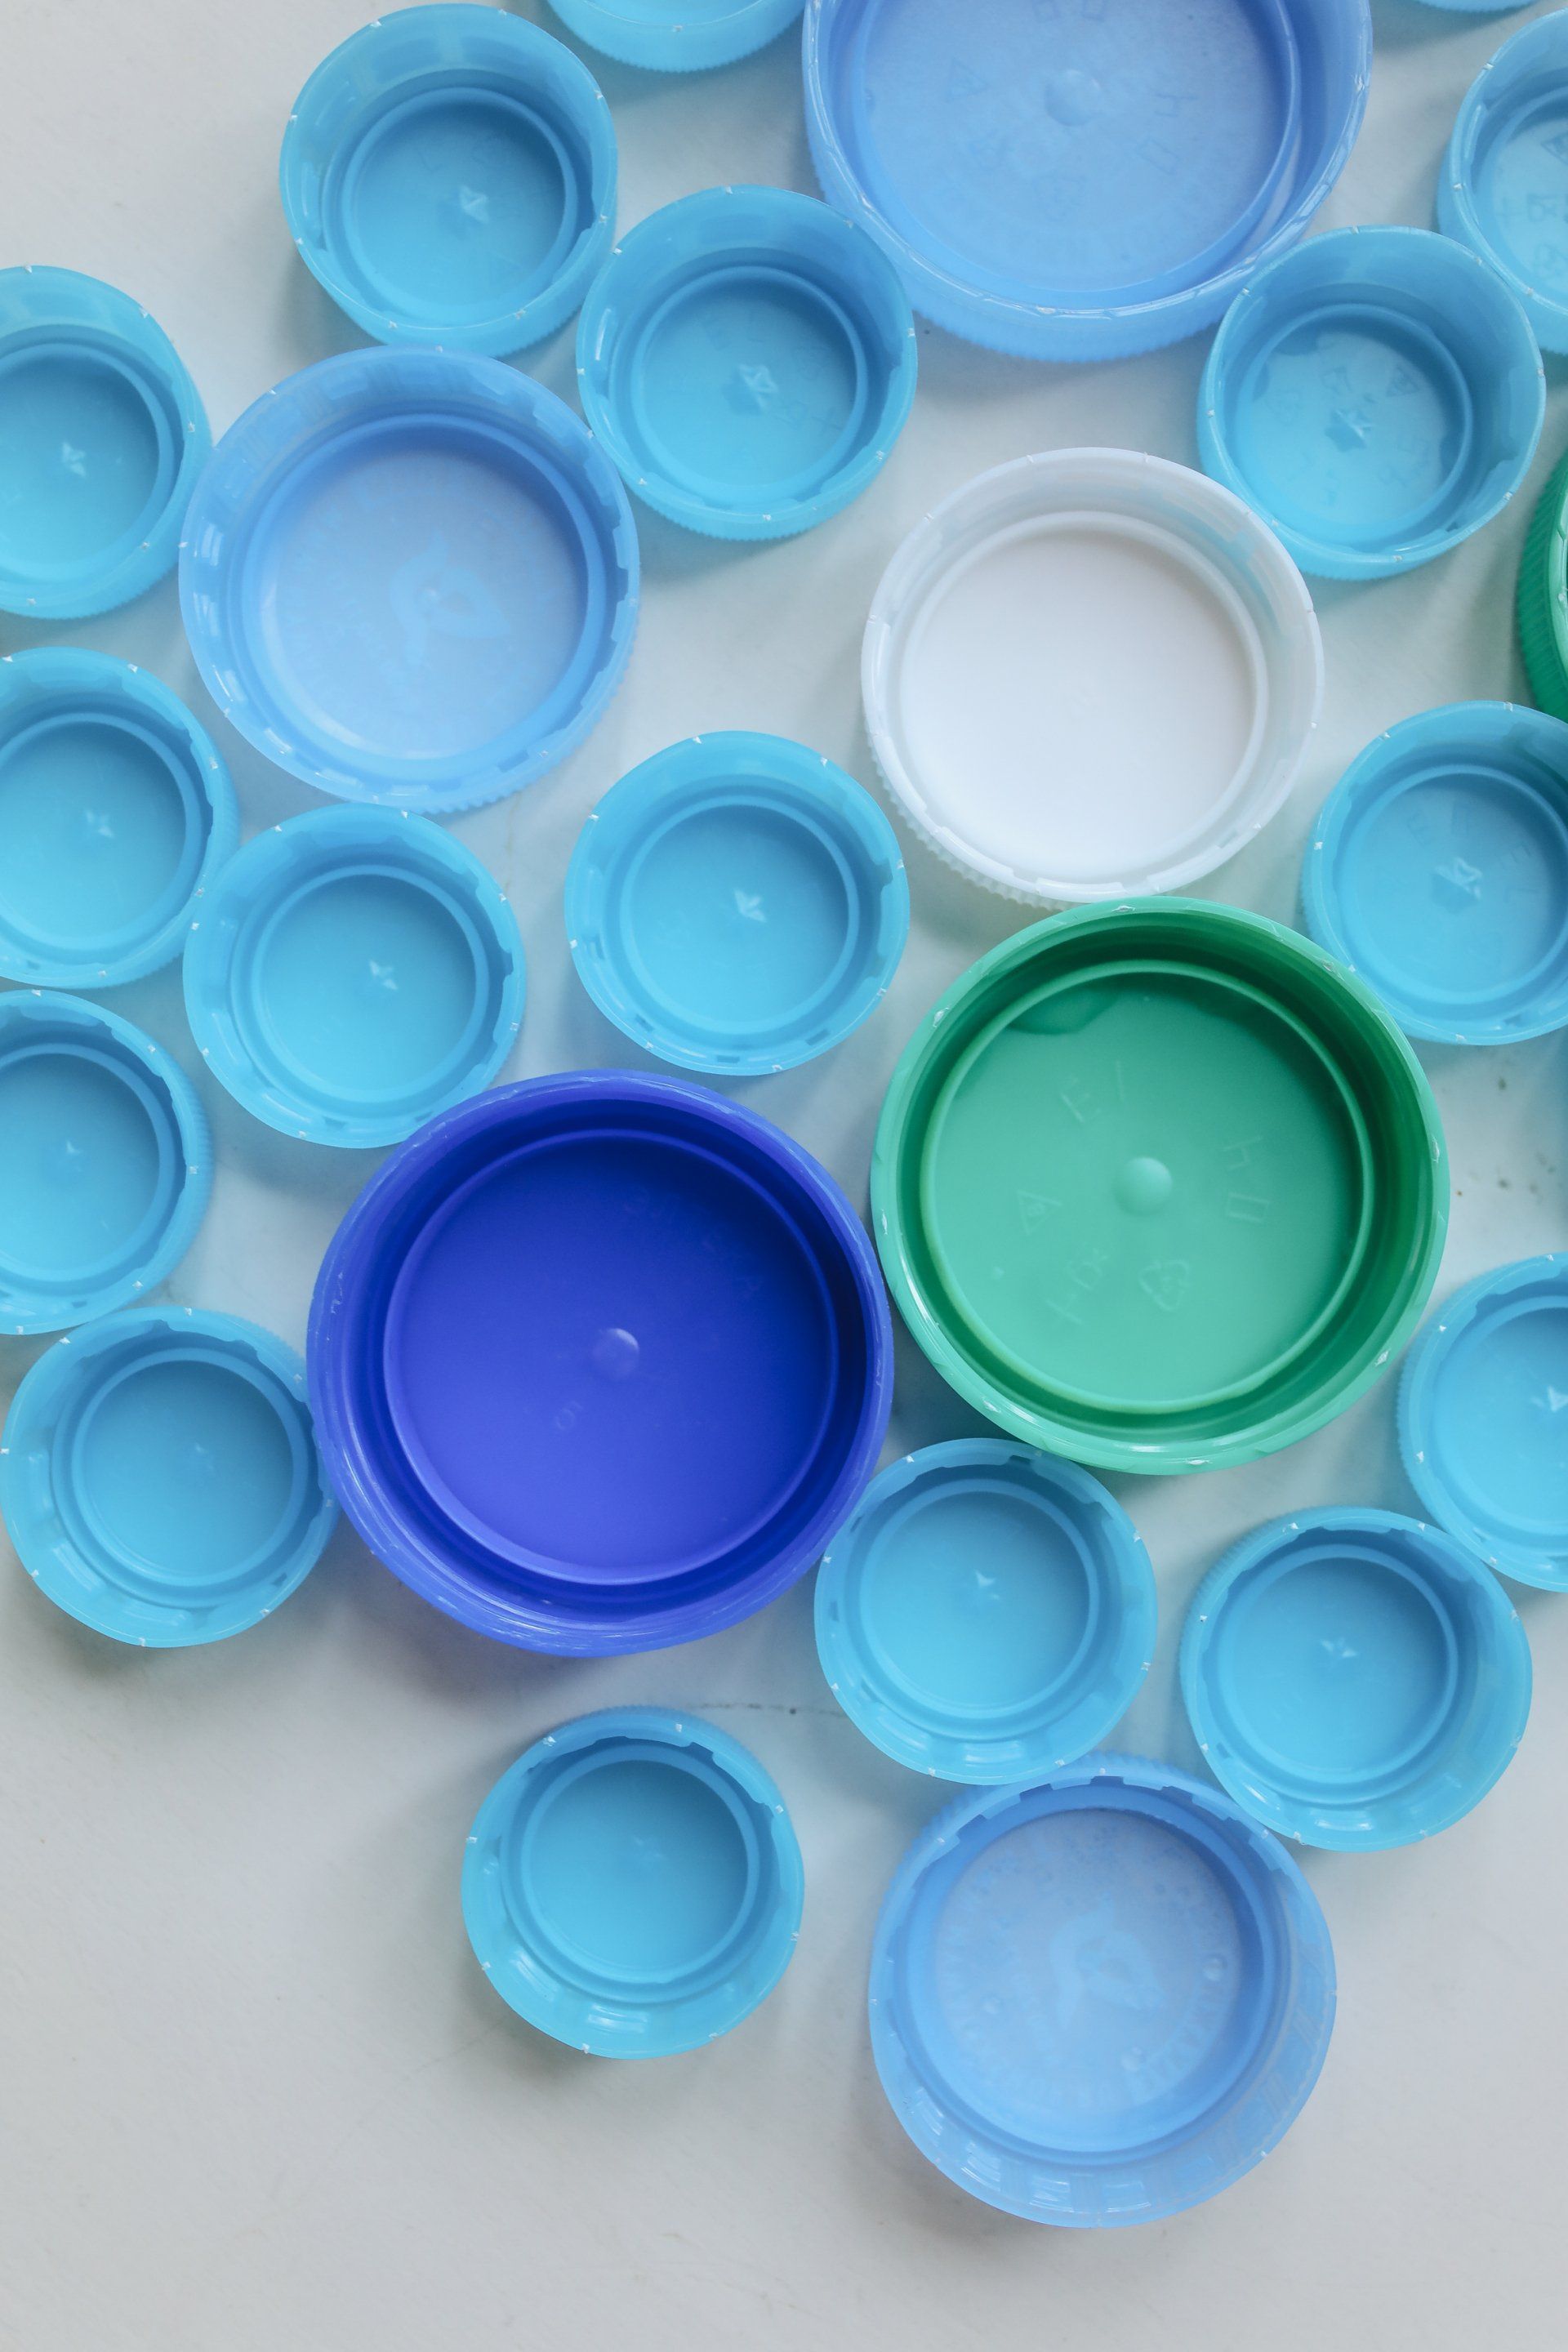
(676, 36)
(1438, 871)
(410, 576)
(160, 1479)
(737, 903)
(704, 1387)
(1098, 1998)
(448, 174)
(114, 809)
(1503, 186)
(1483, 1418)
(1354, 1678)
(748, 360)
(632, 1885)
(1078, 184)
(351, 973)
(988, 1612)
(105, 1161)
(102, 435)
(1377, 395)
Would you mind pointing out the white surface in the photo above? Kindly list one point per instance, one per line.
(254, 2093)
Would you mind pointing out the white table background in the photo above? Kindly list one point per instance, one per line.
(255, 2095)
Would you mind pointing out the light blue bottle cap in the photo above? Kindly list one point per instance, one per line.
(748, 360)
(1099, 1997)
(105, 1161)
(1483, 1418)
(102, 435)
(632, 1886)
(1354, 1678)
(1377, 395)
(737, 903)
(159, 1478)
(676, 36)
(987, 1614)
(411, 577)
(1438, 871)
(1503, 186)
(351, 973)
(1080, 182)
(448, 174)
(114, 809)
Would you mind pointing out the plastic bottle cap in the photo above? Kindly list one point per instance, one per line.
(107, 1163)
(1377, 395)
(632, 1885)
(1100, 1998)
(748, 360)
(411, 577)
(448, 174)
(998, 693)
(987, 1614)
(1438, 871)
(676, 36)
(351, 973)
(1078, 183)
(1503, 187)
(102, 435)
(159, 1478)
(1158, 1186)
(705, 1384)
(737, 903)
(1354, 1678)
(114, 809)
(1483, 1413)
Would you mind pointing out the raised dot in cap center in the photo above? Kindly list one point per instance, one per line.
(616, 1354)
(1143, 1185)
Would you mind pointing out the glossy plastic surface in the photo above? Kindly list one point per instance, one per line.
(676, 36)
(1503, 186)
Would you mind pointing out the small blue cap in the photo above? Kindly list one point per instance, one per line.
(737, 903)
(105, 1164)
(1483, 1418)
(102, 435)
(1100, 1998)
(748, 360)
(1377, 395)
(1503, 186)
(676, 36)
(988, 1613)
(114, 809)
(1438, 871)
(448, 174)
(160, 1477)
(632, 1885)
(410, 576)
(1354, 1678)
(351, 973)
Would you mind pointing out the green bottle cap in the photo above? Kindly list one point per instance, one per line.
(1543, 596)
(1158, 1186)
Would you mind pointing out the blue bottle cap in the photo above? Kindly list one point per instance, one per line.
(1438, 871)
(1076, 183)
(676, 36)
(160, 1477)
(704, 1391)
(737, 903)
(1483, 1418)
(1099, 1997)
(448, 174)
(748, 360)
(1377, 395)
(114, 809)
(102, 435)
(1354, 1678)
(106, 1166)
(351, 973)
(987, 1614)
(632, 1885)
(1503, 187)
(411, 577)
